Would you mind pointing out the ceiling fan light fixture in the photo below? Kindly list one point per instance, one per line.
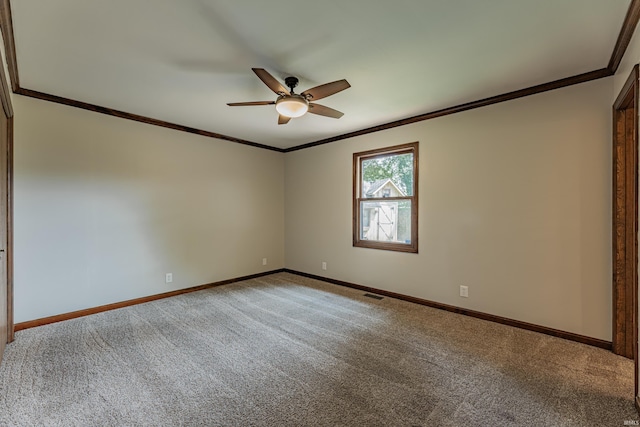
(292, 106)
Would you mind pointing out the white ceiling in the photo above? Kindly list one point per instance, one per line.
(182, 61)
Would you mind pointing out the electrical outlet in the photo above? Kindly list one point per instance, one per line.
(464, 291)
(264, 261)
(168, 278)
(324, 265)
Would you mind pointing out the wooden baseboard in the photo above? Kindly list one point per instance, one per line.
(484, 316)
(100, 309)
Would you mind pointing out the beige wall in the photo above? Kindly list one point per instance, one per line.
(629, 60)
(515, 203)
(104, 207)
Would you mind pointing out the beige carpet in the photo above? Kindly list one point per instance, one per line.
(284, 350)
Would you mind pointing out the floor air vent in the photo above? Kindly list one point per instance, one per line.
(373, 296)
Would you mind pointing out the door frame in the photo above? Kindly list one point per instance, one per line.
(625, 222)
(10, 325)
(7, 108)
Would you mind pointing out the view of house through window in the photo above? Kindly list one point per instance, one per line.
(385, 198)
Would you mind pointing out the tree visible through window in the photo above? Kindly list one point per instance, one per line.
(385, 202)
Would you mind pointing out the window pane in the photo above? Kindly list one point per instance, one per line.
(386, 221)
(388, 176)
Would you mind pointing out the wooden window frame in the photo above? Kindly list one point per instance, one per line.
(358, 158)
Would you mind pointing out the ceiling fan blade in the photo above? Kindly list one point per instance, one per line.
(283, 120)
(270, 81)
(325, 111)
(325, 90)
(242, 104)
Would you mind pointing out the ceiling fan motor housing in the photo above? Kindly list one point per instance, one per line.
(291, 82)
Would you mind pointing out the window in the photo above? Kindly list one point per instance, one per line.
(385, 198)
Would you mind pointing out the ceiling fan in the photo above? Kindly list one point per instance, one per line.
(290, 104)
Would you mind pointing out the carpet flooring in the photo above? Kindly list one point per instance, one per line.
(284, 350)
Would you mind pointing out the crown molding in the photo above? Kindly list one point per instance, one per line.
(557, 84)
(6, 26)
(624, 38)
(137, 118)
